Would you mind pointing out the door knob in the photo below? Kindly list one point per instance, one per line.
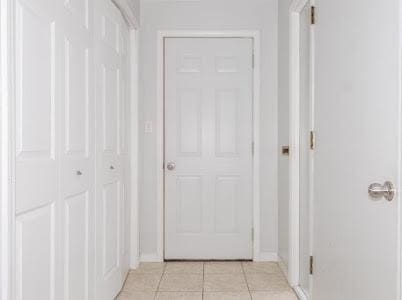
(171, 166)
(377, 190)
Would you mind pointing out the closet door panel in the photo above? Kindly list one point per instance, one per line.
(111, 264)
(77, 190)
(37, 106)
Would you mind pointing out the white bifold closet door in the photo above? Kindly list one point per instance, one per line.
(111, 67)
(56, 195)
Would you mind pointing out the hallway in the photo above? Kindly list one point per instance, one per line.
(200, 149)
(209, 280)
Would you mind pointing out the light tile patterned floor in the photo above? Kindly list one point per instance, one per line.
(207, 281)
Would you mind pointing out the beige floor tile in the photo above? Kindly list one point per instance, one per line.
(225, 283)
(184, 267)
(149, 268)
(181, 283)
(261, 267)
(179, 296)
(289, 295)
(227, 296)
(266, 282)
(142, 282)
(136, 296)
(222, 267)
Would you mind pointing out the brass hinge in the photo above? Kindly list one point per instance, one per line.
(313, 19)
(312, 140)
(311, 265)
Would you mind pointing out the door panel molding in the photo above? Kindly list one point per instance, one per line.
(224, 64)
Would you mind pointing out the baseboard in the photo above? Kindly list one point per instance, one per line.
(134, 263)
(266, 256)
(300, 293)
(151, 257)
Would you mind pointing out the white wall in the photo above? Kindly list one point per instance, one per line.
(283, 132)
(210, 15)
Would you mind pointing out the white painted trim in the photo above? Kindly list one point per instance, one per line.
(300, 293)
(7, 97)
(134, 232)
(128, 13)
(294, 107)
(399, 183)
(153, 257)
(255, 35)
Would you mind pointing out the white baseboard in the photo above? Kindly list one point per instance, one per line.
(266, 256)
(134, 263)
(151, 257)
(300, 293)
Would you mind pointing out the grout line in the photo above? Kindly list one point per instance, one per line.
(245, 277)
(160, 280)
(203, 280)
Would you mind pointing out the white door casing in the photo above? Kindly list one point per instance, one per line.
(208, 135)
(301, 163)
(112, 209)
(358, 134)
(305, 145)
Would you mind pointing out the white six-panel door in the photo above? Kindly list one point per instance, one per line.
(208, 136)
(55, 118)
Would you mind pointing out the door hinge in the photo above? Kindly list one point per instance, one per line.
(253, 60)
(313, 16)
(252, 148)
(252, 234)
(311, 265)
(312, 140)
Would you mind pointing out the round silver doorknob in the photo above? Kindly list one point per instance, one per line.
(386, 190)
(171, 166)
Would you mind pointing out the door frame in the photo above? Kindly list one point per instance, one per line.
(7, 103)
(161, 36)
(295, 10)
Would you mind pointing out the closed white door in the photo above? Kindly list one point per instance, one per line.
(111, 199)
(358, 121)
(54, 243)
(57, 199)
(208, 148)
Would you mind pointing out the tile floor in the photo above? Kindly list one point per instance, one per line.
(207, 281)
